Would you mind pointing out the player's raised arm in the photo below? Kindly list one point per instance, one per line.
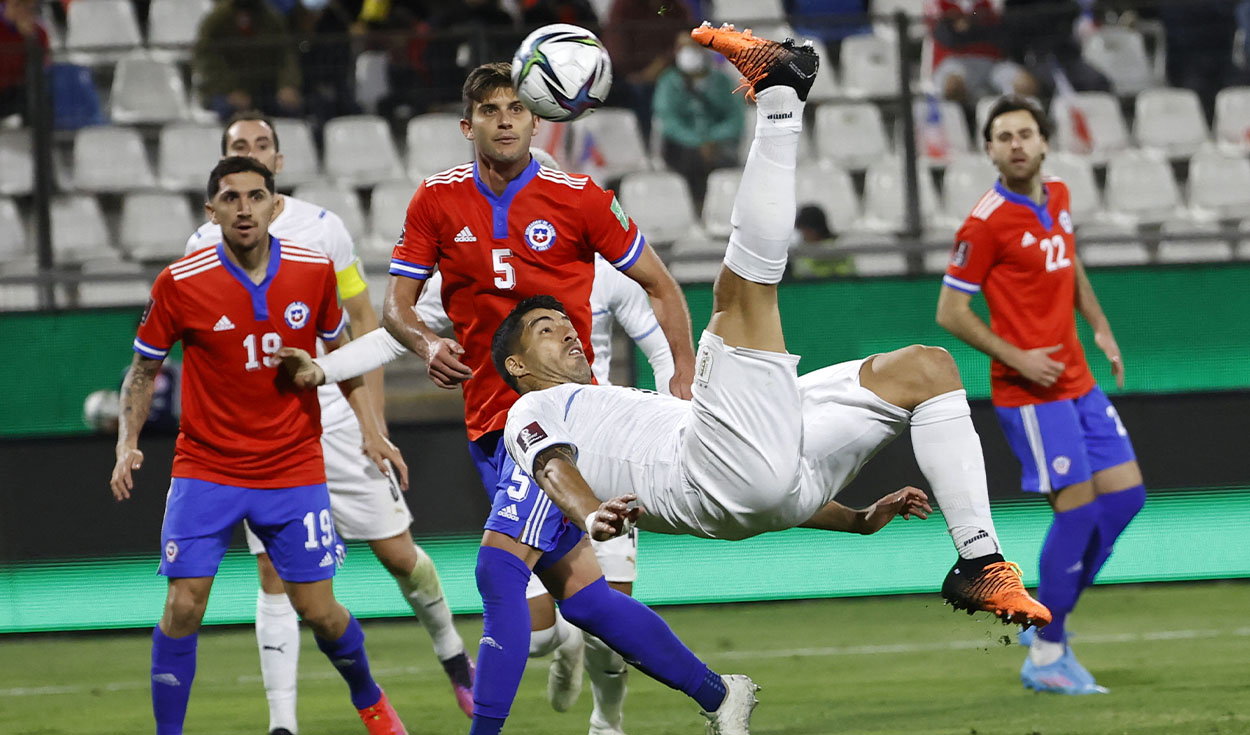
(629, 306)
(1087, 304)
(376, 446)
(136, 402)
(555, 471)
(669, 304)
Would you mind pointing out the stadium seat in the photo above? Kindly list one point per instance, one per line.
(436, 144)
(155, 226)
(966, 181)
(659, 201)
(879, 264)
(1219, 184)
(338, 199)
(1107, 131)
(17, 168)
(128, 286)
(78, 230)
(300, 162)
(885, 203)
(173, 24)
(1232, 117)
(851, 135)
(1193, 251)
(1243, 246)
(13, 244)
(1141, 187)
(829, 187)
(111, 159)
(187, 153)
(147, 90)
(702, 270)
(950, 128)
(100, 31)
(388, 208)
(722, 187)
(869, 66)
(983, 111)
(1170, 121)
(1120, 54)
(75, 101)
(1085, 202)
(1125, 250)
(745, 12)
(359, 151)
(372, 82)
(608, 145)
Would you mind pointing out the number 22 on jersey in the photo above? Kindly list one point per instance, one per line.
(1056, 253)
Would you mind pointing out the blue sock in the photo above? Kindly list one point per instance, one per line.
(1115, 511)
(348, 656)
(1062, 565)
(633, 630)
(505, 647)
(173, 670)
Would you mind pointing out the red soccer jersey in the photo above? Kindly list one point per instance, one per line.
(1021, 255)
(243, 423)
(539, 237)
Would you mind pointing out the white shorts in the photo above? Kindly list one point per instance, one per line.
(617, 557)
(364, 505)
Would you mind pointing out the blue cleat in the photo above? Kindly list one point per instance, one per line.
(1026, 636)
(1065, 676)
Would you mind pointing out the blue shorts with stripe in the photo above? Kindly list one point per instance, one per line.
(519, 507)
(294, 523)
(1063, 443)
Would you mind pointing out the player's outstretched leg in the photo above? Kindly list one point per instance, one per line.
(779, 75)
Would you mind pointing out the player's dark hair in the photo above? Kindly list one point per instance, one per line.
(483, 82)
(507, 339)
(248, 116)
(1014, 103)
(237, 165)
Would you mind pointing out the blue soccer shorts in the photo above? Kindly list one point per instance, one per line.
(1064, 443)
(294, 523)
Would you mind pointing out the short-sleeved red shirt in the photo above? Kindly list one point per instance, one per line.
(243, 423)
(1020, 254)
(539, 237)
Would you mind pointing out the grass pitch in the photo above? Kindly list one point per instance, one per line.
(1174, 657)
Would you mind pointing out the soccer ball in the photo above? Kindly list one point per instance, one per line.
(561, 72)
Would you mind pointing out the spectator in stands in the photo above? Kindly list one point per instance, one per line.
(465, 34)
(829, 20)
(700, 119)
(542, 12)
(327, 64)
(1041, 35)
(638, 35)
(811, 233)
(968, 59)
(245, 59)
(1200, 37)
(19, 21)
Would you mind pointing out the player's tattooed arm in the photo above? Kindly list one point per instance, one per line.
(555, 471)
(136, 402)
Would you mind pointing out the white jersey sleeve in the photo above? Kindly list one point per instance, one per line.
(336, 241)
(628, 304)
(207, 235)
(430, 306)
(536, 423)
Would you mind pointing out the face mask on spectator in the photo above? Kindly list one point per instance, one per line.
(691, 60)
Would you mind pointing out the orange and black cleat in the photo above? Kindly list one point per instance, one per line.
(761, 62)
(381, 719)
(996, 588)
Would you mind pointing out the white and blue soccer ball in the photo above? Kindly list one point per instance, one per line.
(561, 72)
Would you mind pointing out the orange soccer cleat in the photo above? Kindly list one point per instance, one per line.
(996, 588)
(763, 63)
(381, 719)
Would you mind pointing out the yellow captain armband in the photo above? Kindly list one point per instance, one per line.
(351, 281)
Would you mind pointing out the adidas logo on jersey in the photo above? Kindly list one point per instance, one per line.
(223, 324)
(465, 235)
(327, 560)
(1028, 240)
(509, 512)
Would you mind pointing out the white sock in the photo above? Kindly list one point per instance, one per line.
(277, 636)
(547, 640)
(763, 213)
(609, 679)
(424, 594)
(948, 451)
(1045, 653)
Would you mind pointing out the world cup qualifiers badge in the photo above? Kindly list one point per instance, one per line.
(540, 235)
(296, 314)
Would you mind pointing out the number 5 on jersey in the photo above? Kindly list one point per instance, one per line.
(505, 275)
(270, 343)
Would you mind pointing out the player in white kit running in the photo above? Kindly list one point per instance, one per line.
(366, 505)
(758, 448)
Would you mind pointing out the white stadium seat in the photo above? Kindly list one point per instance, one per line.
(829, 187)
(173, 25)
(1219, 184)
(1232, 117)
(13, 245)
(359, 151)
(111, 159)
(388, 208)
(78, 230)
(954, 128)
(659, 201)
(300, 162)
(851, 135)
(744, 12)
(372, 82)
(187, 154)
(722, 187)
(1243, 246)
(1126, 251)
(1120, 54)
(1085, 202)
(1193, 251)
(610, 136)
(869, 66)
(153, 226)
(1141, 186)
(147, 90)
(131, 289)
(1170, 121)
(966, 180)
(436, 144)
(99, 31)
(17, 167)
(885, 204)
(1107, 131)
(338, 199)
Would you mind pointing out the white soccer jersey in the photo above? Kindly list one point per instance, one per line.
(305, 223)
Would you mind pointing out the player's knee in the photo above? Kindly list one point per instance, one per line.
(932, 369)
(184, 609)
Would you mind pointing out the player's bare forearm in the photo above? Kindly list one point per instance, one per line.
(401, 319)
(1087, 301)
(908, 502)
(136, 400)
(364, 319)
(836, 517)
(955, 315)
(555, 471)
(669, 304)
